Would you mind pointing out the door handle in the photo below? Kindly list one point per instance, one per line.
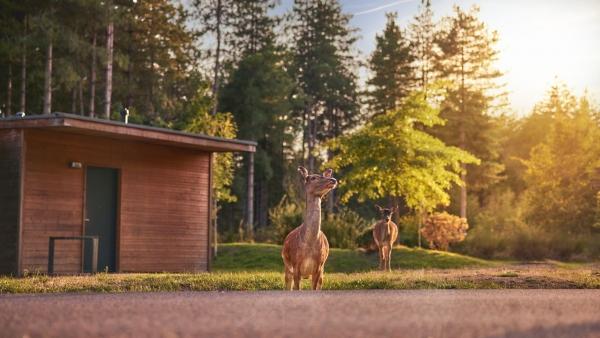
(87, 220)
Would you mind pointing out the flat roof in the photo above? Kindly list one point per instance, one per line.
(119, 130)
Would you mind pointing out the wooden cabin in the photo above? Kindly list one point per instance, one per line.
(144, 192)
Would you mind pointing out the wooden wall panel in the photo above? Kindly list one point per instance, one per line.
(10, 196)
(163, 201)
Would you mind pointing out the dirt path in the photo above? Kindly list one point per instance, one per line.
(410, 313)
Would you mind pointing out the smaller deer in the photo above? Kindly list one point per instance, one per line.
(385, 233)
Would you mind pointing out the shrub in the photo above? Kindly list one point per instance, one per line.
(284, 218)
(442, 229)
(344, 228)
(408, 230)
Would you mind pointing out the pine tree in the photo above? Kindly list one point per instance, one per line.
(214, 17)
(258, 94)
(324, 70)
(422, 38)
(390, 64)
(158, 77)
(252, 28)
(466, 56)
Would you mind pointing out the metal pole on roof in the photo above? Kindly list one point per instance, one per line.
(250, 198)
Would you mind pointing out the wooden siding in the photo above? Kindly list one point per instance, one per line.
(10, 197)
(163, 202)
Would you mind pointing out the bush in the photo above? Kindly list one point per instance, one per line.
(344, 228)
(442, 229)
(408, 230)
(284, 218)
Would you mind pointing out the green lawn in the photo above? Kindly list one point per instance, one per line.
(238, 257)
(259, 267)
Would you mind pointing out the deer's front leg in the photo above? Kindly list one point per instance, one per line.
(297, 277)
(389, 259)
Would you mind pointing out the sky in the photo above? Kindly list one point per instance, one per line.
(541, 41)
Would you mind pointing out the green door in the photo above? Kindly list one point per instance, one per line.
(101, 189)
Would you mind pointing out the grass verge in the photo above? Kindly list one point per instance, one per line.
(253, 267)
(490, 278)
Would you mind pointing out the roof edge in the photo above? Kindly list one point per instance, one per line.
(62, 119)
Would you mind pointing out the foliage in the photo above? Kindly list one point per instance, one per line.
(562, 197)
(284, 218)
(442, 229)
(323, 65)
(220, 125)
(403, 160)
(391, 65)
(343, 228)
(421, 34)
(465, 58)
(258, 94)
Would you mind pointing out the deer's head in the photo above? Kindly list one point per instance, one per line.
(317, 185)
(386, 213)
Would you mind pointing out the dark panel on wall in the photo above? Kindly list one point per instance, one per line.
(163, 202)
(10, 160)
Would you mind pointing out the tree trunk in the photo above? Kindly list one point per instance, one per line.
(311, 143)
(109, 69)
(129, 66)
(81, 108)
(92, 107)
(24, 73)
(74, 100)
(48, 81)
(9, 92)
(463, 177)
(250, 198)
(215, 88)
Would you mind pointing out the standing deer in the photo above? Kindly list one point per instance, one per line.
(305, 248)
(385, 233)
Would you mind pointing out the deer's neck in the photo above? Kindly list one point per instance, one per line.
(312, 217)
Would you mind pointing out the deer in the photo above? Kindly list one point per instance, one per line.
(385, 233)
(305, 249)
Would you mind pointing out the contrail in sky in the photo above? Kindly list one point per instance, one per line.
(382, 7)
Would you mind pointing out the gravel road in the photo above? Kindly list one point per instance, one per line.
(406, 313)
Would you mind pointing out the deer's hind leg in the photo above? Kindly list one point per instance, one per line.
(317, 279)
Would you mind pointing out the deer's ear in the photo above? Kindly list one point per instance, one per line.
(303, 172)
(327, 173)
(378, 207)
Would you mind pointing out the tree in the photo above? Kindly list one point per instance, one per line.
(158, 73)
(213, 16)
(465, 59)
(323, 68)
(403, 161)
(258, 94)
(252, 28)
(422, 43)
(390, 64)
(560, 195)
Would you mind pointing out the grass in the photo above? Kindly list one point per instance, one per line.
(253, 267)
(238, 257)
